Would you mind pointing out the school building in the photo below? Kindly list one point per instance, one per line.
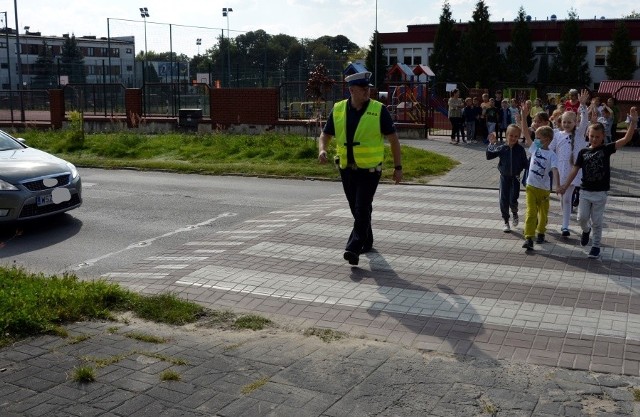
(414, 46)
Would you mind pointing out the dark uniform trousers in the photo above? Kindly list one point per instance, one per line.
(359, 187)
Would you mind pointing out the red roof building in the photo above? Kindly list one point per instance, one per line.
(414, 46)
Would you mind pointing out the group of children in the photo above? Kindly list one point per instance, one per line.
(561, 155)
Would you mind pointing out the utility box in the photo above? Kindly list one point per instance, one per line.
(189, 118)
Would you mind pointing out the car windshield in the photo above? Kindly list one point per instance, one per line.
(8, 143)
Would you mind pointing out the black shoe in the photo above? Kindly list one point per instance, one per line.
(528, 244)
(540, 238)
(352, 257)
(584, 239)
(594, 252)
(565, 232)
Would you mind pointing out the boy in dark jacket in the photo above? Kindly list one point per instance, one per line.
(512, 161)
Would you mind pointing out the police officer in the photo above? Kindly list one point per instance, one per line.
(360, 126)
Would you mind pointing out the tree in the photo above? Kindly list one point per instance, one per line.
(479, 58)
(543, 66)
(444, 58)
(520, 54)
(621, 60)
(44, 69)
(570, 65)
(375, 55)
(72, 61)
(319, 83)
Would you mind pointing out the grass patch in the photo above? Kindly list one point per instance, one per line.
(217, 318)
(252, 322)
(84, 374)
(167, 308)
(170, 375)
(34, 304)
(268, 154)
(249, 388)
(104, 362)
(326, 335)
(145, 337)
(636, 394)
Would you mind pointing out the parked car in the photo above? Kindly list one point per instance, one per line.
(34, 183)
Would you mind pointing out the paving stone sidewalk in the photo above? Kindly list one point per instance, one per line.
(281, 373)
(448, 316)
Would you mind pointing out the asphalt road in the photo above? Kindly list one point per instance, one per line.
(130, 215)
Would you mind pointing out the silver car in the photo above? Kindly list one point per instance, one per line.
(34, 183)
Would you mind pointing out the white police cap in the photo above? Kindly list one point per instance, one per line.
(359, 78)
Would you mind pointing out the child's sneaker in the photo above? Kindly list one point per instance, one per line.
(594, 252)
(506, 227)
(528, 244)
(584, 239)
(540, 238)
(516, 220)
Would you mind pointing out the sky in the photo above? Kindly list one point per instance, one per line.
(193, 19)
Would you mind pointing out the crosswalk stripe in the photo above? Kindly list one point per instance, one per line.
(575, 280)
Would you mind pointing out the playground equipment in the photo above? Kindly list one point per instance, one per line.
(407, 102)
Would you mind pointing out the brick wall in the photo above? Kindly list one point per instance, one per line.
(133, 106)
(244, 106)
(56, 108)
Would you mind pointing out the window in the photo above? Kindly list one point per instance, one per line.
(549, 50)
(129, 50)
(4, 65)
(90, 51)
(412, 56)
(115, 52)
(392, 56)
(129, 68)
(601, 56)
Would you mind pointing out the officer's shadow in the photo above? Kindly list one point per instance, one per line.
(432, 316)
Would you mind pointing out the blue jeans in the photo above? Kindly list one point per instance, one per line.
(359, 187)
(471, 130)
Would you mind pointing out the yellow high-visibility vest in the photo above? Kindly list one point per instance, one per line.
(368, 141)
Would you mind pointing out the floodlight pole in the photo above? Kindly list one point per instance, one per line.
(225, 13)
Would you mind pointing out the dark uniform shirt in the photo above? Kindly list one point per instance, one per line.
(353, 118)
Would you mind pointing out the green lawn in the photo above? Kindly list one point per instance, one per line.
(269, 154)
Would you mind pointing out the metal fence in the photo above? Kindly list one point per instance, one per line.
(161, 99)
(28, 105)
(95, 99)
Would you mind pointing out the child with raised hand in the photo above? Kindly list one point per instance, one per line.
(543, 162)
(566, 144)
(512, 161)
(594, 164)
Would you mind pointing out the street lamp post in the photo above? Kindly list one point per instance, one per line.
(199, 42)
(375, 51)
(26, 32)
(6, 40)
(18, 53)
(225, 13)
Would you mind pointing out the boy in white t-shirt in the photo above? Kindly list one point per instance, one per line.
(543, 161)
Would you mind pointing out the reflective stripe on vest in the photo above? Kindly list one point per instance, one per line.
(368, 149)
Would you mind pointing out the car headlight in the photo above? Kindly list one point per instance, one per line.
(74, 171)
(5, 186)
